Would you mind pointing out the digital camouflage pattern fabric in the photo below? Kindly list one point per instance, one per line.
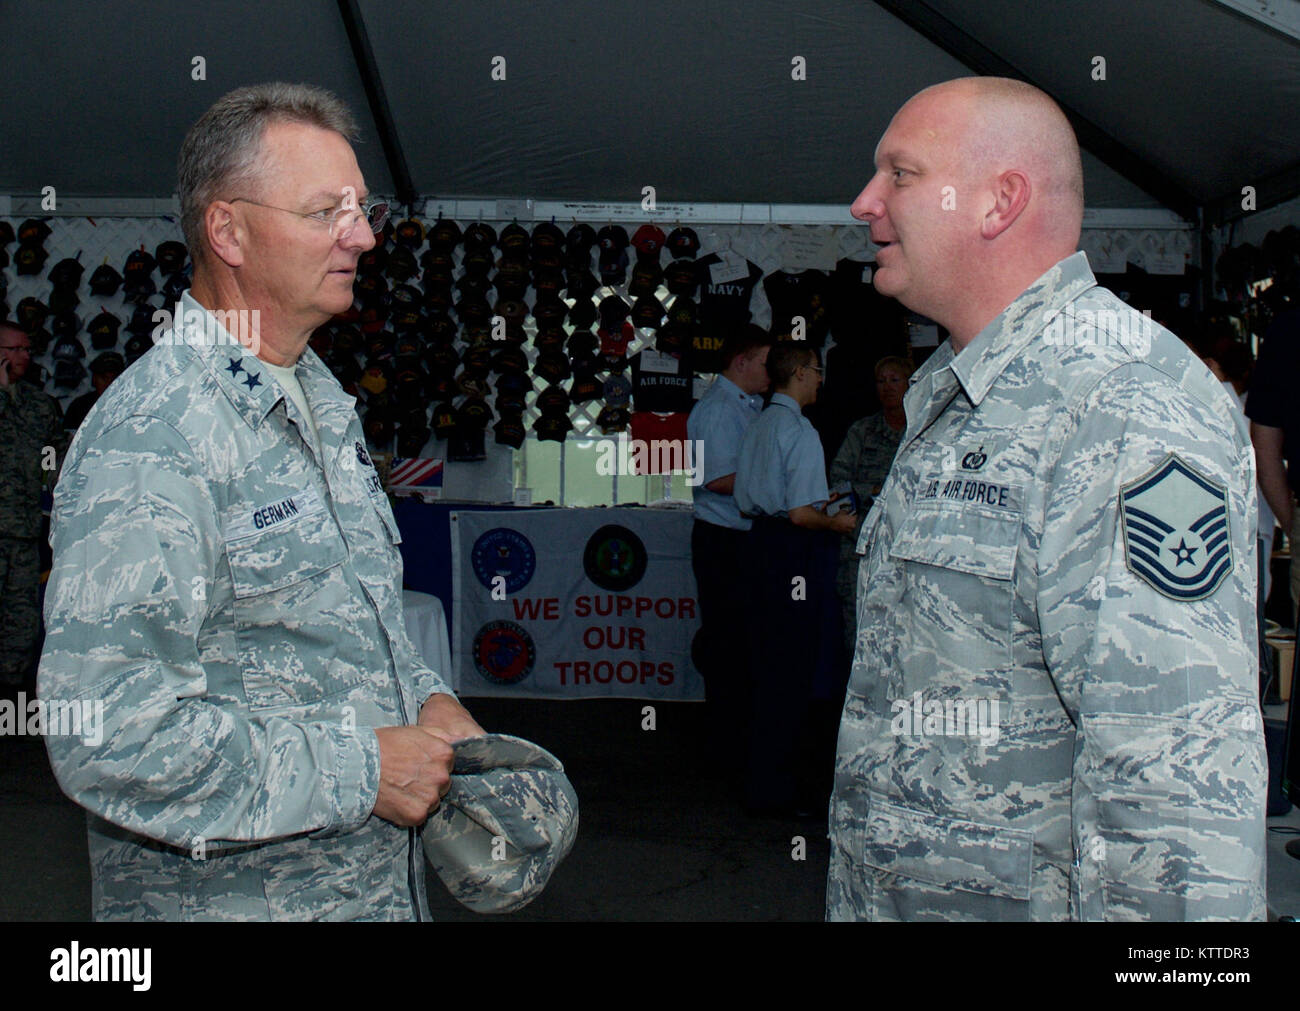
(234, 600)
(1106, 760)
(31, 436)
(508, 820)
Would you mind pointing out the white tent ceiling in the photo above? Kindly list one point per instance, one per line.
(695, 99)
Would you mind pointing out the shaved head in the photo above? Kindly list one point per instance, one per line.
(1013, 125)
(978, 191)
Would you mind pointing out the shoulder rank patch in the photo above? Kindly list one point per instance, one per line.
(1175, 523)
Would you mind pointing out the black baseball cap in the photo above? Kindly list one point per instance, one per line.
(579, 240)
(513, 241)
(552, 366)
(444, 420)
(646, 276)
(69, 349)
(66, 273)
(171, 256)
(612, 238)
(509, 431)
(372, 261)
(479, 235)
(108, 361)
(65, 324)
(409, 234)
(510, 383)
(474, 413)
(103, 330)
(68, 373)
(550, 312)
(582, 314)
(136, 346)
(30, 259)
(613, 419)
(552, 427)
(585, 387)
(175, 286)
(682, 277)
(31, 313)
(401, 264)
(33, 232)
(613, 267)
(105, 280)
(547, 237)
(683, 242)
(647, 312)
(553, 400)
(445, 234)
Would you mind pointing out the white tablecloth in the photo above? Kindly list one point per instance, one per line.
(426, 627)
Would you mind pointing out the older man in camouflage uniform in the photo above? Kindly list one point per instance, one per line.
(31, 437)
(1052, 711)
(227, 583)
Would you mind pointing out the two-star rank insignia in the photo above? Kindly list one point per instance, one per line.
(1175, 523)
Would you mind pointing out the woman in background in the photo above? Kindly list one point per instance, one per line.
(864, 459)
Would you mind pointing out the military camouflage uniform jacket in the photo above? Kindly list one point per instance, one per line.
(234, 600)
(1065, 547)
(30, 423)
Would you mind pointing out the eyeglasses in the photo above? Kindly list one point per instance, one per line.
(16, 347)
(341, 220)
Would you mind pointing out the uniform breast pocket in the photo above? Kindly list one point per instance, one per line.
(959, 563)
(291, 606)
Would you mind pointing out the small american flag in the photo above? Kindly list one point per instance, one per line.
(416, 476)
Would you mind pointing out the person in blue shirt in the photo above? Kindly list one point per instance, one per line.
(720, 534)
(792, 615)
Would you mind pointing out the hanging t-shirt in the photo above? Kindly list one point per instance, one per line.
(805, 294)
(727, 284)
(665, 439)
(862, 319)
(661, 382)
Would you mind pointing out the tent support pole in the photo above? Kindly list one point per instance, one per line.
(923, 19)
(364, 56)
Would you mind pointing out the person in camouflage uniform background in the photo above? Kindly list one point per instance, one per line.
(863, 460)
(226, 582)
(31, 443)
(1052, 712)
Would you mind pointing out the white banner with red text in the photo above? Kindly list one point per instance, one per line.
(574, 603)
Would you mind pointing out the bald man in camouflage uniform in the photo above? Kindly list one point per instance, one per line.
(227, 583)
(31, 436)
(1052, 712)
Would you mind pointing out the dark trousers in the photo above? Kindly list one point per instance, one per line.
(718, 560)
(796, 670)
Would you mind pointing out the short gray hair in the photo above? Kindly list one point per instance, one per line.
(223, 149)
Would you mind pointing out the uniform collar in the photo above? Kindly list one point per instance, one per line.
(785, 400)
(979, 364)
(249, 384)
